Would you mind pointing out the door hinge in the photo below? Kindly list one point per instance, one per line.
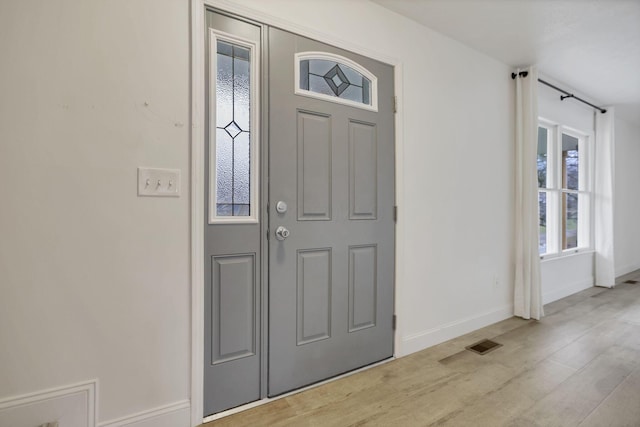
(395, 104)
(395, 321)
(395, 214)
(268, 232)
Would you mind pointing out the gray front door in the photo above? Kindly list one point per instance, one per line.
(331, 163)
(315, 124)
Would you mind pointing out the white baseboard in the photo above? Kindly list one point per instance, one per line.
(176, 414)
(72, 406)
(431, 337)
(76, 406)
(629, 268)
(567, 290)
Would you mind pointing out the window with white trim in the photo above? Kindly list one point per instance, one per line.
(334, 78)
(233, 140)
(564, 190)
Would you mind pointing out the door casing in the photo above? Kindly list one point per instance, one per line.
(197, 202)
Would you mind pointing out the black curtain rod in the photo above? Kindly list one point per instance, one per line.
(562, 97)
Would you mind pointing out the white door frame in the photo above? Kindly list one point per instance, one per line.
(198, 121)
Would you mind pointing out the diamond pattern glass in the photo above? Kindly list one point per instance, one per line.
(233, 136)
(334, 79)
(232, 129)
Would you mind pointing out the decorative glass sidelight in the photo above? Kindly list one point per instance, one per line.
(234, 168)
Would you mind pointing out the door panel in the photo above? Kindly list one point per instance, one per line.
(234, 296)
(363, 291)
(314, 166)
(313, 295)
(363, 170)
(331, 280)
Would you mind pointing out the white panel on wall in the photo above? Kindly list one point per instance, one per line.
(565, 276)
(69, 406)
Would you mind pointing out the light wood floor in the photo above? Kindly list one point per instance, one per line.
(579, 366)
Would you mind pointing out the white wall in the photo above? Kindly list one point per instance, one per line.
(569, 112)
(627, 196)
(94, 281)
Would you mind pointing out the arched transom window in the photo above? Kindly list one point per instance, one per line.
(335, 78)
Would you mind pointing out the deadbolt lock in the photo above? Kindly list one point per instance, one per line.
(281, 207)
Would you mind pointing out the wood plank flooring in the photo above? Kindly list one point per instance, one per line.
(578, 366)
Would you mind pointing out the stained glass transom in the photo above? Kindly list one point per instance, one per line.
(334, 79)
(233, 131)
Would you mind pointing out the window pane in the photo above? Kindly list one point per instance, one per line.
(320, 67)
(334, 79)
(241, 93)
(232, 144)
(241, 169)
(542, 215)
(224, 89)
(224, 172)
(542, 157)
(570, 220)
(319, 85)
(570, 162)
(353, 93)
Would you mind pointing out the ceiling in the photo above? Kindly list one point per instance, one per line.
(590, 46)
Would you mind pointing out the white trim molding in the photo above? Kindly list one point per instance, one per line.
(425, 339)
(171, 415)
(197, 210)
(626, 269)
(30, 402)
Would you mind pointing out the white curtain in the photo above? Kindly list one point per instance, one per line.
(604, 187)
(528, 289)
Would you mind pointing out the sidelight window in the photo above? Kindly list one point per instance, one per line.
(336, 79)
(233, 140)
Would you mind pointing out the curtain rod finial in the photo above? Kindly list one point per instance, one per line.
(521, 74)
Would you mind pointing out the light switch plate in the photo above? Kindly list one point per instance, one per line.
(158, 182)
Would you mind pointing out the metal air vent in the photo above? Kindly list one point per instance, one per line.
(483, 347)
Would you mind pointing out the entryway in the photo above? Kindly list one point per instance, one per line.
(299, 219)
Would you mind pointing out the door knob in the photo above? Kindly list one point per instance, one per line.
(282, 233)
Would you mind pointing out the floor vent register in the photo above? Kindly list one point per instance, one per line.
(483, 347)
